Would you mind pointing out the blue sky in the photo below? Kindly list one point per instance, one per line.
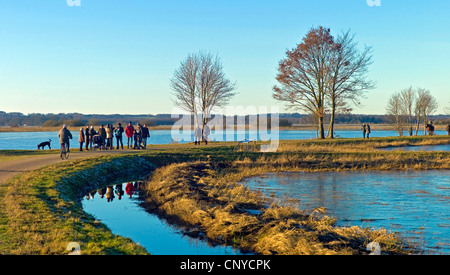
(117, 56)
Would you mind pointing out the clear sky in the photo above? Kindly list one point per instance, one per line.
(117, 56)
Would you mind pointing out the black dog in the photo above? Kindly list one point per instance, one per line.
(45, 143)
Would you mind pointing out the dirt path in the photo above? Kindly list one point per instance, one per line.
(10, 168)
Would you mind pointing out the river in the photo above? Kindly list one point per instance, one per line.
(30, 140)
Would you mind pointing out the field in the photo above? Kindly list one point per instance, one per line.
(198, 188)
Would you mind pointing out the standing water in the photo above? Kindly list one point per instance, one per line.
(120, 210)
(415, 204)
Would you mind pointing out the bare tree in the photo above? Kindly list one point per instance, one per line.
(348, 78)
(394, 109)
(322, 73)
(303, 75)
(426, 105)
(199, 85)
(214, 89)
(407, 99)
(184, 85)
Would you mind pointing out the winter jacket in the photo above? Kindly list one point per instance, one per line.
(64, 135)
(129, 131)
(81, 137)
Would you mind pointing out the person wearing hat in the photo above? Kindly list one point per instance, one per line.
(64, 136)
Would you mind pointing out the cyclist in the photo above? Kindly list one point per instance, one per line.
(64, 136)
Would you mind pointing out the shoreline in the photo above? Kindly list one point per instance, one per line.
(337, 127)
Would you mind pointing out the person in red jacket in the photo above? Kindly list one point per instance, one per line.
(129, 132)
(129, 189)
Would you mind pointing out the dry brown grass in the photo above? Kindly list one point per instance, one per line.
(210, 200)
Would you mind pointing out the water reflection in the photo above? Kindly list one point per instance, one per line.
(443, 147)
(414, 203)
(118, 207)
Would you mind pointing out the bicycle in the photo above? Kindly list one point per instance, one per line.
(64, 151)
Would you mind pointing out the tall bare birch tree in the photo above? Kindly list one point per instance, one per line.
(199, 85)
(407, 99)
(184, 85)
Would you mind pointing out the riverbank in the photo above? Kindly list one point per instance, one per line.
(337, 127)
(40, 210)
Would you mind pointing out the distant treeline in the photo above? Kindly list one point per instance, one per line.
(75, 119)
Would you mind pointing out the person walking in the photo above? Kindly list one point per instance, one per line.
(87, 137)
(129, 132)
(119, 131)
(81, 139)
(364, 130)
(64, 137)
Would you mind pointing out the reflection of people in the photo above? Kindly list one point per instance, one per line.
(101, 192)
(90, 195)
(129, 189)
(119, 191)
(109, 194)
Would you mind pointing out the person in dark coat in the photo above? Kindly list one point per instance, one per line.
(145, 135)
(118, 132)
(92, 133)
(64, 136)
(448, 129)
(87, 137)
(102, 133)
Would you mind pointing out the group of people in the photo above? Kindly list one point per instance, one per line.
(104, 137)
(200, 135)
(366, 130)
(111, 192)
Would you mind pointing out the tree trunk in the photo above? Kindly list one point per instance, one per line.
(321, 129)
(331, 128)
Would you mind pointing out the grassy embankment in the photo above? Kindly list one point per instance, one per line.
(197, 187)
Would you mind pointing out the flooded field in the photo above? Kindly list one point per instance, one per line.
(119, 208)
(414, 204)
